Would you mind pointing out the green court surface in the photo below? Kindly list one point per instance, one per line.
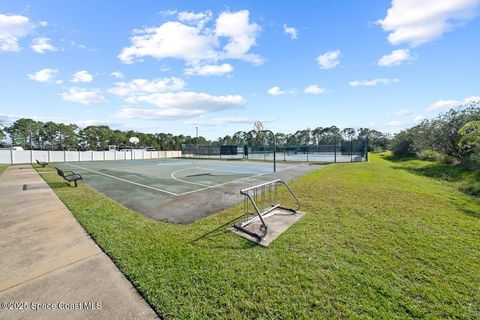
(179, 190)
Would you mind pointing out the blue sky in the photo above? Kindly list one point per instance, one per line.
(168, 66)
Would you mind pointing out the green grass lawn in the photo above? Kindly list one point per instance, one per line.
(3, 167)
(466, 179)
(378, 241)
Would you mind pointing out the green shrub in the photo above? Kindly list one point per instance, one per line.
(432, 155)
(471, 188)
(403, 144)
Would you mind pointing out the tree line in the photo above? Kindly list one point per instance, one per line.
(38, 135)
(451, 137)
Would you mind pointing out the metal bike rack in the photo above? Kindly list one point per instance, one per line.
(263, 199)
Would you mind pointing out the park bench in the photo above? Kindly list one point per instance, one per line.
(42, 163)
(69, 176)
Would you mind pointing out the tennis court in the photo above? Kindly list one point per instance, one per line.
(179, 190)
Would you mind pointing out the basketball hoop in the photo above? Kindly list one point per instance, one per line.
(257, 126)
(134, 140)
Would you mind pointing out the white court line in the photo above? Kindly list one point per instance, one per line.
(178, 179)
(246, 178)
(124, 180)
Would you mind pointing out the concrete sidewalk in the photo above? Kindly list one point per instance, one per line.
(48, 261)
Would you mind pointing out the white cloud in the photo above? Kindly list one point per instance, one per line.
(179, 104)
(171, 40)
(290, 31)
(83, 96)
(12, 29)
(403, 112)
(443, 104)
(241, 33)
(197, 19)
(372, 83)
(196, 44)
(117, 74)
(315, 89)
(395, 58)
(276, 91)
(42, 45)
(82, 76)
(418, 119)
(166, 13)
(449, 104)
(8, 119)
(144, 86)
(395, 124)
(209, 70)
(418, 22)
(81, 46)
(472, 100)
(329, 59)
(221, 121)
(43, 75)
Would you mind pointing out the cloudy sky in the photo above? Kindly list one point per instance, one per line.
(168, 66)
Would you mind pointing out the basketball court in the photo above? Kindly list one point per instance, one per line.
(179, 190)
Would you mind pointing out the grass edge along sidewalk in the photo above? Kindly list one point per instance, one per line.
(377, 241)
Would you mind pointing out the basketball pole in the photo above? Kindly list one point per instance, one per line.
(274, 146)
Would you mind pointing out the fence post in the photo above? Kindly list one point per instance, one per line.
(31, 155)
(49, 157)
(103, 155)
(11, 156)
(335, 149)
(366, 149)
(351, 149)
(92, 155)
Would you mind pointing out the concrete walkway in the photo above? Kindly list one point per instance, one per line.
(47, 260)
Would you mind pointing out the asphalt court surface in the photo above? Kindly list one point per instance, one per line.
(179, 190)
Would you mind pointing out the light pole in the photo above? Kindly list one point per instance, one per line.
(196, 129)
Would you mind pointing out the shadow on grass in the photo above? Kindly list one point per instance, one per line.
(468, 180)
(218, 232)
(471, 213)
(59, 185)
(392, 158)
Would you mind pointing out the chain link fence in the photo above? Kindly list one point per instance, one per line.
(343, 151)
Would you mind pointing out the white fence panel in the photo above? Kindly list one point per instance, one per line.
(72, 156)
(30, 156)
(85, 155)
(110, 155)
(40, 155)
(22, 156)
(5, 156)
(57, 156)
(97, 155)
